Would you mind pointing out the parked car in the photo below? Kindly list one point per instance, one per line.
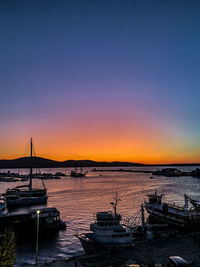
(176, 261)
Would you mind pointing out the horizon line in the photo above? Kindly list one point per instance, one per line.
(179, 163)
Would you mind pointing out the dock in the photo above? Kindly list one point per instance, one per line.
(120, 170)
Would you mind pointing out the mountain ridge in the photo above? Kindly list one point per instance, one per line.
(39, 162)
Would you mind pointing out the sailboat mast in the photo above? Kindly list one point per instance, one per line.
(31, 165)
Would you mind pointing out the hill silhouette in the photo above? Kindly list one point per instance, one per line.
(38, 162)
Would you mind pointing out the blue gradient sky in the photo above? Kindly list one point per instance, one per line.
(105, 80)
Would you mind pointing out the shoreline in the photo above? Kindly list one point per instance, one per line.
(145, 253)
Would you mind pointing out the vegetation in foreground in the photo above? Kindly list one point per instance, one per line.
(7, 248)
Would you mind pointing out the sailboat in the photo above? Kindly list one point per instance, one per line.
(26, 195)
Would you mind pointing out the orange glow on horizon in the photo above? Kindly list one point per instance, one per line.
(115, 150)
(108, 139)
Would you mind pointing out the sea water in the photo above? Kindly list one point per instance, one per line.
(78, 200)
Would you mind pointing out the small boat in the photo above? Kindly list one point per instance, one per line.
(184, 217)
(75, 173)
(107, 233)
(60, 174)
(26, 195)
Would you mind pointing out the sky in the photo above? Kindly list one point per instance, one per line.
(100, 79)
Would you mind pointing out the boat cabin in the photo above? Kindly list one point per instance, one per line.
(107, 216)
(106, 219)
(155, 198)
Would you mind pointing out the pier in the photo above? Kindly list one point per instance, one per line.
(119, 170)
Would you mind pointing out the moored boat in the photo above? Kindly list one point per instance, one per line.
(22, 191)
(185, 217)
(13, 201)
(24, 222)
(107, 232)
(78, 174)
(26, 195)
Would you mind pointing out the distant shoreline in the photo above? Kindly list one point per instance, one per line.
(39, 162)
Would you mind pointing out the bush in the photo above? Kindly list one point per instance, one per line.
(7, 248)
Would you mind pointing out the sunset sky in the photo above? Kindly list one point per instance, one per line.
(101, 79)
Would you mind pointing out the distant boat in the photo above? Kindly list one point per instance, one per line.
(75, 173)
(26, 194)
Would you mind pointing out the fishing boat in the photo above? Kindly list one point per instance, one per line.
(26, 194)
(184, 217)
(107, 232)
(75, 173)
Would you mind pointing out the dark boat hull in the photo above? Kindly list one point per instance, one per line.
(78, 174)
(26, 193)
(160, 216)
(25, 201)
(90, 246)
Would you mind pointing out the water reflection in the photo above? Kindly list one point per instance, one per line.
(78, 199)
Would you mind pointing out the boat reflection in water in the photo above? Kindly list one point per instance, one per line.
(107, 233)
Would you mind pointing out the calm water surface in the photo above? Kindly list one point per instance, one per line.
(78, 199)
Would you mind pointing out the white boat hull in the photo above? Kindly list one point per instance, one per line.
(91, 246)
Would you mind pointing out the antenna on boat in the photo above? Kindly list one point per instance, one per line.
(186, 201)
(114, 204)
(31, 165)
